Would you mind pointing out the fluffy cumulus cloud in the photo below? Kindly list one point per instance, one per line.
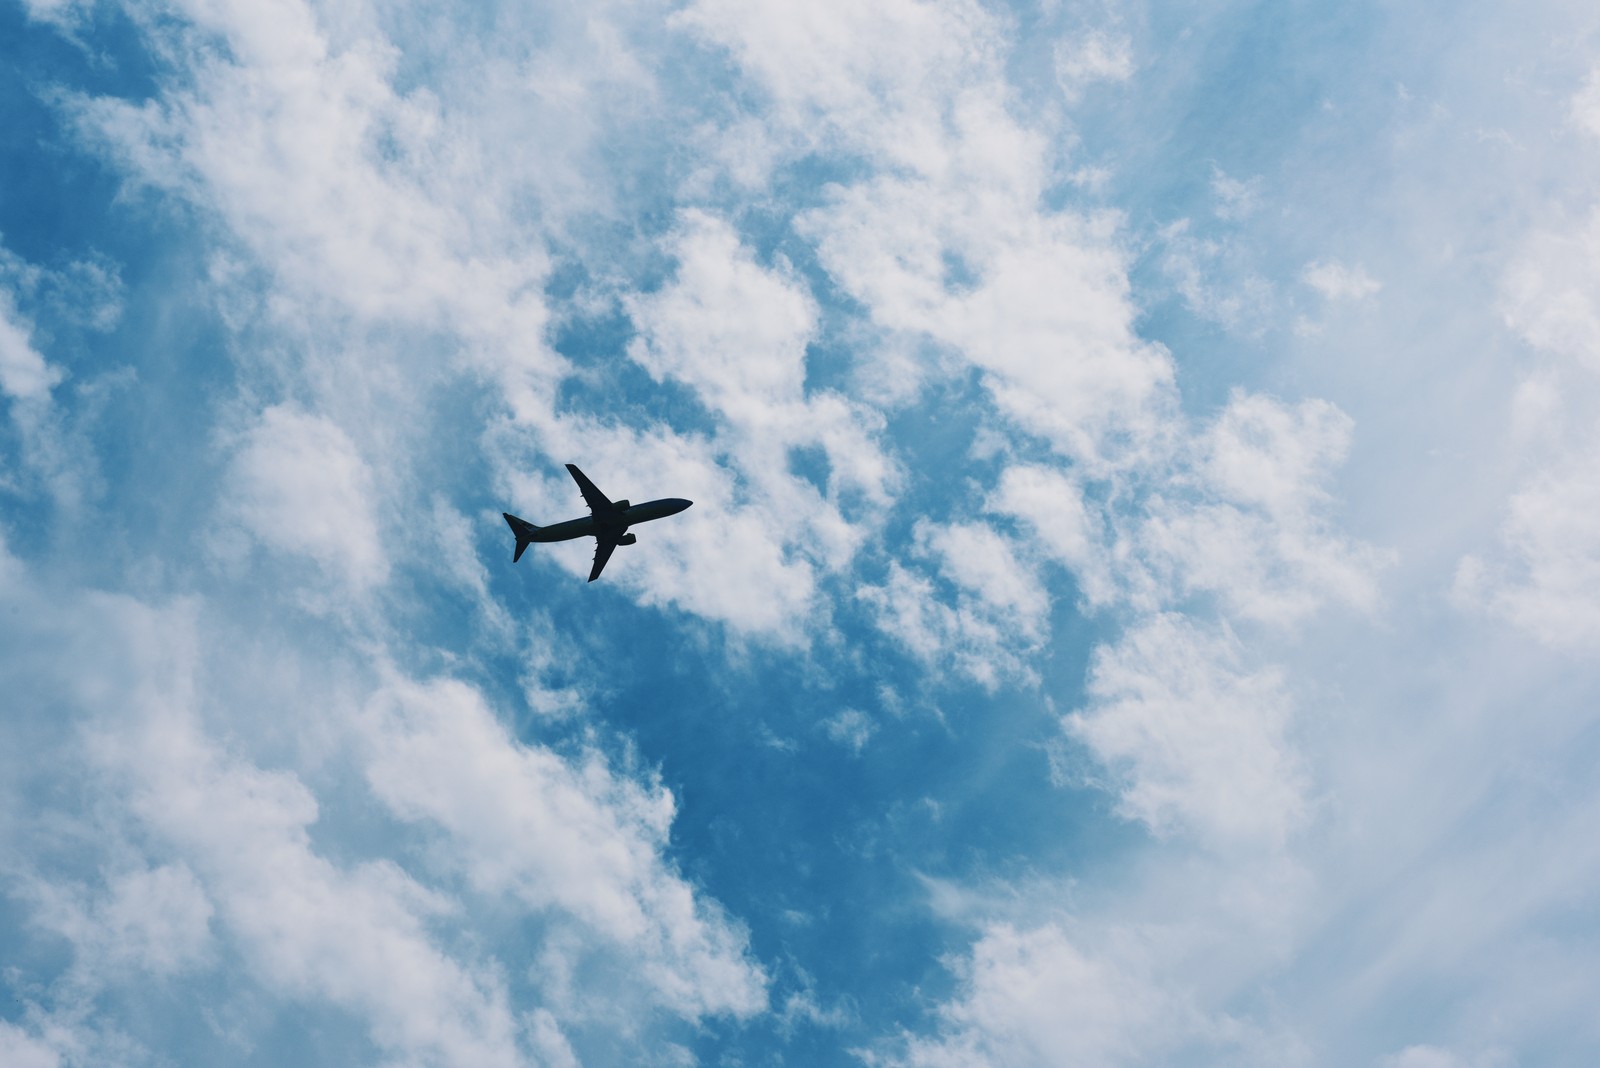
(1037, 997)
(1067, 527)
(999, 611)
(1545, 577)
(1197, 742)
(1549, 293)
(1549, 579)
(309, 928)
(1070, 371)
(738, 333)
(574, 840)
(950, 244)
(44, 452)
(293, 134)
(1259, 538)
(25, 1050)
(355, 937)
(966, 636)
(210, 855)
(154, 920)
(24, 374)
(298, 486)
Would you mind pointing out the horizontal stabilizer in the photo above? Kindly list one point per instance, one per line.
(524, 532)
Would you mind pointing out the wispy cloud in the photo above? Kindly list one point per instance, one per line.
(1335, 281)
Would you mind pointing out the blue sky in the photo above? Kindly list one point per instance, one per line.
(1140, 603)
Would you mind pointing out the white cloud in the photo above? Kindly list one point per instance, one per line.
(737, 333)
(1545, 575)
(255, 871)
(298, 485)
(1070, 371)
(574, 838)
(309, 929)
(356, 937)
(969, 638)
(1335, 281)
(1585, 105)
(851, 728)
(1237, 198)
(24, 374)
(372, 208)
(62, 13)
(985, 564)
(21, 1050)
(1213, 285)
(1092, 56)
(955, 262)
(18, 1049)
(949, 243)
(1239, 512)
(328, 174)
(874, 76)
(1262, 452)
(1258, 537)
(1000, 611)
(48, 450)
(1035, 997)
(1551, 296)
(734, 331)
(1550, 585)
(1063, 524)
(1422, 1056)
(154, 920)
(1195, 741)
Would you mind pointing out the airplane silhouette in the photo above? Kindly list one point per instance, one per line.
(607, 522)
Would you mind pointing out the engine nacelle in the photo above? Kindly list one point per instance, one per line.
(620, 506)
(627, 539)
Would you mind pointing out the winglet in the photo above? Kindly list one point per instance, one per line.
(524, 532)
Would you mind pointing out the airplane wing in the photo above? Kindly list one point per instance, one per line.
(597, 501)
(603, 547)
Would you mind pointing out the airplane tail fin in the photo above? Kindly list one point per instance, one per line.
(524, 532)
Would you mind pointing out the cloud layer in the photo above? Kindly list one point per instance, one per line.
(1135, 605)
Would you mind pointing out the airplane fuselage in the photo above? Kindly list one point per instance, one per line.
(613, 523)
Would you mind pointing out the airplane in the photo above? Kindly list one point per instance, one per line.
(607, 522)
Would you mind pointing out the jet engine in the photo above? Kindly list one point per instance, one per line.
(620, 506)
(627, 539)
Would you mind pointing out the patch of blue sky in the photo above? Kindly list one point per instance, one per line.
(56, 198)
(606, 384)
